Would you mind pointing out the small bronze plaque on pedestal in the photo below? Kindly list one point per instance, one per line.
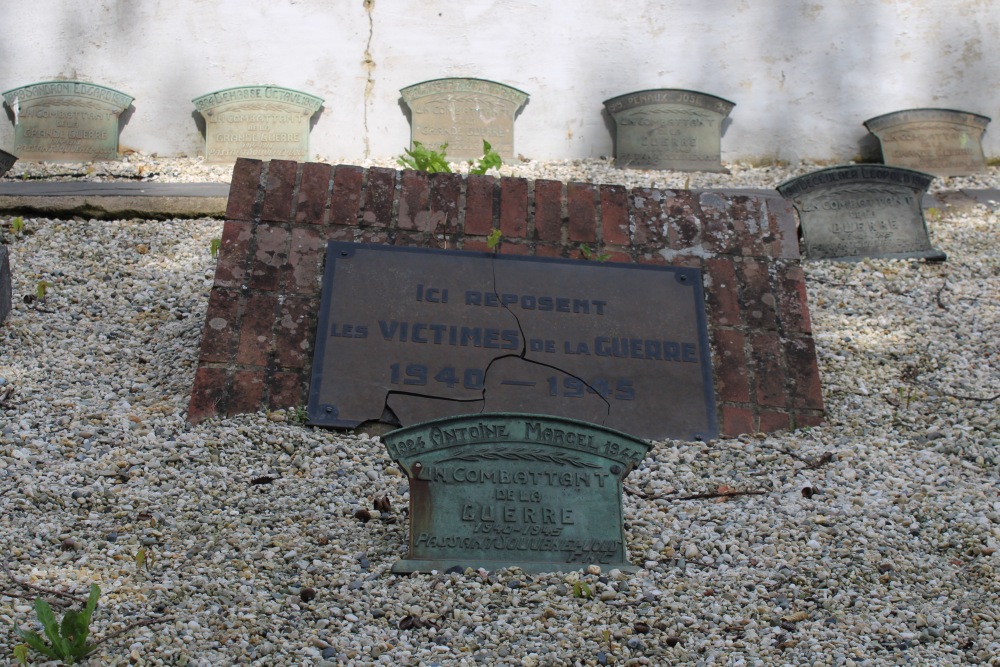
(6, 162)
(423, 334)
(669, 129)
(69, 121)
(462, 113)
(502, 490)
(262, 122)
(943, 142)
(857, 211)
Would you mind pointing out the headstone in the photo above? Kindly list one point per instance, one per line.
(67, 121)
(501, 490)
(6, 288)
(432, 333)
(462, 113)
(943, 142)
(262, 122)
(669, 129)
(6, 162)
(857, 211)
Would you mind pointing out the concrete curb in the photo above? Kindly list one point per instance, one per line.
(110, 201)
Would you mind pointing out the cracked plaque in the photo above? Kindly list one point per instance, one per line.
(412, 334)
(500, 490)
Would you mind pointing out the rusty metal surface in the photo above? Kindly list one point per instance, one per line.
(857, 211)
(429, 333)
(943, 142)
(498, 490)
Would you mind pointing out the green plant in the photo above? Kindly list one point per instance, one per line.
(298, 415)
(21, 654)
(17, 225)
(581, 589)
(42, 289)
(67, 640)
(145, 558)
(214, 248)
(589, 254)
(425, 159)
(494, 239)
(490, 160)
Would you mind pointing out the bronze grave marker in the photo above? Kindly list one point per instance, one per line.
(430, 333)
(6, 285)
(669, 129)
(462, 113)
(262, 122)
(6, 162)
(943, 142)
(501, 490)
(856, 211)
(69, 121)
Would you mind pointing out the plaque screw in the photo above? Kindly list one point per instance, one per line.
(329, 408)
(343, 253)
(683, 279)
(615, 470)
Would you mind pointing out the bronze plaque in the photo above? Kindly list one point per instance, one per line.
(862, 210)
(424, 334)
(6, 285)
(669, 129)
(6, 162)
(69, 121)
(462, 113)
(500, 490)
(943, 142)
(262, 122)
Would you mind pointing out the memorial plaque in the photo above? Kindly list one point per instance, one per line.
(943, 142)
(669, 129)
(68, 121)
(857, 211)
(462, 113)
(433, 333)
(6, 285)
(501, 490)
(6, 162)
(262, 122)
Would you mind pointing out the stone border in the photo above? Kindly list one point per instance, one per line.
(257, 346)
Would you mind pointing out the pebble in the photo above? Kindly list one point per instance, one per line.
(891, 558)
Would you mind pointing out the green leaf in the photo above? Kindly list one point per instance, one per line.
(214, 248)
(585, 251)
(82, 629)
(493, 240)
(33, 640)
(490, 160)
(424, 159)
(21, 654)
(48, 621)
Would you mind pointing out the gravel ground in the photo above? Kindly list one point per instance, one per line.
(869, 541)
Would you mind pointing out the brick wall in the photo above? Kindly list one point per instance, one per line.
(256, 350)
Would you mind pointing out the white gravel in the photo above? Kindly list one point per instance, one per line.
(873, 540)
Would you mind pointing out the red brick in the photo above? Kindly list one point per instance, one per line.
(803, 373)
(247, 393)
(722, 294)
(617, 256)
(479, 205)
(345, 201)
(689, 261)
(413, 202)
(774, 421)
(736, 421)
(279, 191)
(654, 258)
(782, 228)
(288, 390)
(256, 338)
(768, 371)
(296, 327)
(243, 189)
(582, 212)
(234, 251)
(614, 215)
(514, 207)
(548, 210)
(270, 257)
(548, 250)
(314, 193)
(372, 236)
(805, 420)
(758, 299)
(208, 394)
(749, 220)
(793, 308)
(515, 249)
(731, 366)
(475, 245)
(303, 270)
(446, 194)
(379, 194)
(683, 229)
(218, 340)
(645, 209)
(718, 233)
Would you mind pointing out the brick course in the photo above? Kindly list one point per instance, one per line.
(260, 326)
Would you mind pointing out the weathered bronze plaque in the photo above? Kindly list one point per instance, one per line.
(6, 285)
(669, 129)
(502, 489)
(861, 210)
(263, 122)
(6, 162)
(943, 142)
(462, 113)
(70, 121)
(433, 333)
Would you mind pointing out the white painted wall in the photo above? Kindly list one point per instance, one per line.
(804, 73)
